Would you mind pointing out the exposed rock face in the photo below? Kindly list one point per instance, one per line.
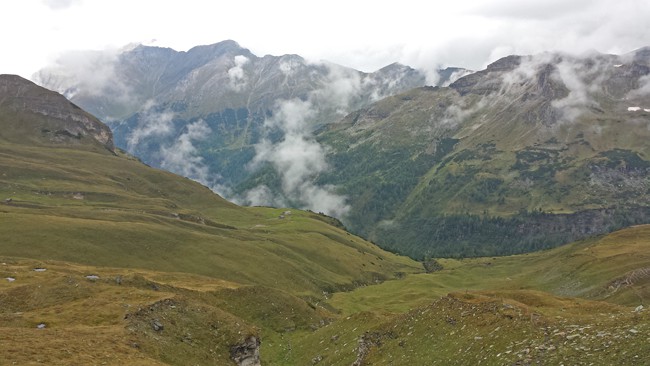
(64, 119)
(216, 78)
(247, 353)
(367, 341)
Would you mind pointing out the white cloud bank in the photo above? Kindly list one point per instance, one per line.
(298, 159)
(465, 33)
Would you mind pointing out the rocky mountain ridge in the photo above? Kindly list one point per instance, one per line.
(62, 120)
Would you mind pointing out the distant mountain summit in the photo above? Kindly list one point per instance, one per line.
(211, 78)
(46, 117)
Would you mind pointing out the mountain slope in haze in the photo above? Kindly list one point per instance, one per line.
(214, 98)
(213, 78)
(214, 112)
(532, 152)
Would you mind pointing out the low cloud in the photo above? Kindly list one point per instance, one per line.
(177, 154)
(60, 4)
(290, 65)
(90, 75)
(528, 67)
(582, 81)
(237, 74)
(262, 196)
(643, 90)
(151, 123)
(456, 114)
(581, 77)
(82, 72)
(342, 88)
(181, 157)
(452, 78)
(299, 160)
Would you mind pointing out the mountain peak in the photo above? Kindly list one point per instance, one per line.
(59, 120)
(218, 49)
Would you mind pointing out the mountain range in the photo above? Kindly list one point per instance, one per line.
(150, 96)
(105, 260)
(529, 153)
(532, 152)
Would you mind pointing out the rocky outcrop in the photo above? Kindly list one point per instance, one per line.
(63, 119)
(247, 353)
(483, 82)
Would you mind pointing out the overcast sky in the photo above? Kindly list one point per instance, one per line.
(362, 34)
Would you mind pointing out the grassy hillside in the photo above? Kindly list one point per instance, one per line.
(103, 209)
(573, 305)
(595, 269)
(70, 196)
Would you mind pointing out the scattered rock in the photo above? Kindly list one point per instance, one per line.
(187, 338)
(41, 326)
(316, 359)
(157, 325)
(39, 269)
(366, 342)
(11, 279)
(633, 331)
(8, 200)
(638, 309)
(118, 280)
(92, 277)
(432, 265)
(247, 353)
